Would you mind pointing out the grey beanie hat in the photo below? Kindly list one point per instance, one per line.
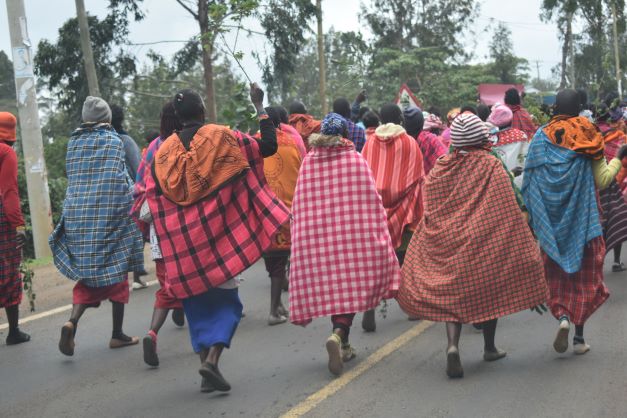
(96, 109)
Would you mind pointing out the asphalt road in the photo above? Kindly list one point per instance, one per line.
(276, 370)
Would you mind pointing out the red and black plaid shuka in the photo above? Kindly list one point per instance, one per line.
(578, 295)
(473, 257)
(10, 259)
(213, 240)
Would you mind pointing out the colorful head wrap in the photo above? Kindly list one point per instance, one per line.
(333, 124)
(501, 115)
(432, 122)
(468, 130)
(452, 114)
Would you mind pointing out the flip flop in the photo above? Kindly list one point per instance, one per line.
(454, 368)
(66, 342)
(118, 343)
(150, 350)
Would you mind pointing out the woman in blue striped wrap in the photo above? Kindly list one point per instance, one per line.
(96, 241)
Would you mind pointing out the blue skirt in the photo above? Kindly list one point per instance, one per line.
(213, 317)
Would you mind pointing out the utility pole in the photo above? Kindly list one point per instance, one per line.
(321, 60)
(538, 69)
(619, 77)
(571, 67)
(32, 143)
(88, 55)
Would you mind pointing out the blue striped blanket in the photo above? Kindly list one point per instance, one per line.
(96, 241)
(560, 195)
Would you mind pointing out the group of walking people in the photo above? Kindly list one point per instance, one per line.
(463, 221)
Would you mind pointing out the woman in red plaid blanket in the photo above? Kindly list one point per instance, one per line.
(214, 215)
(341, 263)
(564, 171)
(12, 231)
(472, 258)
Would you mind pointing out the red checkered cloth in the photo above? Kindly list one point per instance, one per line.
(10, 259)
(85, 295)
(396, 164)
(522, 120)
(342, 256)
(511, 136)
(473, 257)
(213, 240)
(578, 295)
(164, 300)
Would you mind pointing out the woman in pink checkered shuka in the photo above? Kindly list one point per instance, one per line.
(341, 263)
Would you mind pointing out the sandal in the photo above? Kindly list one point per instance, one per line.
(66, 342)
(150, 349)
(214, 377)
(178, 317)
(454, 368)
(348, 353)
(334, 343)
(276, 319)
(123, 341)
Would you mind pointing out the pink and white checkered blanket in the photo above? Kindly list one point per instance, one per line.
(342, 257)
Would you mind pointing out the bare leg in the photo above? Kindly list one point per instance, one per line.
(212, 378)
(453, 332)
(276, 288)
(489, 331)
(214, 354)
(453, 361)
(159, 315)
(617, 251)
(118, 338)
(68, 331)
(117, 312)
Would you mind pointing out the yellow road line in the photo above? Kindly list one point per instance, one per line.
(333, 387)
(51, 312)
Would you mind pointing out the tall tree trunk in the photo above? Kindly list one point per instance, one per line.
(321, 60)
(206, 41)
(568, 38)
(619, 77)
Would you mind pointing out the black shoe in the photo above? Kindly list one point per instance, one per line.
(368, 322)
(178, 317)
(206, 387)
(17, 337)
(214, 377)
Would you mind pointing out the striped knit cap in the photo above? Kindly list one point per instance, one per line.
(468, 130)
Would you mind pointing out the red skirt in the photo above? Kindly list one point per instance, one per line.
(580, 294)
(164, 300)
(84, 295)
(10, 259)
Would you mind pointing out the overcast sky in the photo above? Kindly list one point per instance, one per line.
(166, 20)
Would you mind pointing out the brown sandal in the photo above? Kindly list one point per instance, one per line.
(66, 342)
(118, 343)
